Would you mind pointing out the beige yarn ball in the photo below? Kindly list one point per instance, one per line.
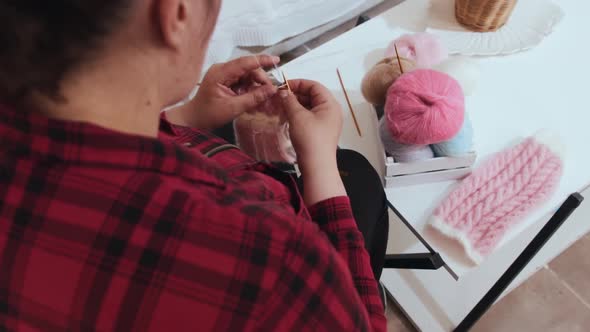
(378, 80)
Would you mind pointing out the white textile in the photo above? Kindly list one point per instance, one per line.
(267, 22)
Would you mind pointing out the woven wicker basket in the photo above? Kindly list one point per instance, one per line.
(483, 15)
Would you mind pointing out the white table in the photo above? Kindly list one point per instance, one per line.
(545, 87)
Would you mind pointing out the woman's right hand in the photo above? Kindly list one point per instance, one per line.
(315, 124)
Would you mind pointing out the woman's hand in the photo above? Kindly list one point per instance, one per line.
(315, 124)
(217, 102)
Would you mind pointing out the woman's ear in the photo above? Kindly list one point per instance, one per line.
(172, 18)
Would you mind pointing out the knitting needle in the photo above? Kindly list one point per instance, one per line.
(286, 81)
(399, 61)
(349, 104)
(274, 73)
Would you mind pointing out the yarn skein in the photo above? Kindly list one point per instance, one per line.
(424, 107)
(402, 153)
(466, 71)
(423, 48)
(378, 80)
(459, 145)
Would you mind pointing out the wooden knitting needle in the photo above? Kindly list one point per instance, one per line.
(286, 81)
(349, 104)
(399, 61)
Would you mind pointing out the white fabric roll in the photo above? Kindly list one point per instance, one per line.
(267, 22)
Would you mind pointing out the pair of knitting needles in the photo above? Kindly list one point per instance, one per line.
(286, 84)
(277, 73)
(288, 87)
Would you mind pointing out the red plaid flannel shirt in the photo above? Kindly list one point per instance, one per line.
(104, 231)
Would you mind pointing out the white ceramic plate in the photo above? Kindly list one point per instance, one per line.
(530, 23)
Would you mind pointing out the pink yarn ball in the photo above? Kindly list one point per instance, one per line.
(423, 48)
(425, 107)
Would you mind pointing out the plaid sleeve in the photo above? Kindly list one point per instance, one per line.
(314, 290)
(334, 217)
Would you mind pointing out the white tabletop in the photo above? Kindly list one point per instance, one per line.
(545, 87)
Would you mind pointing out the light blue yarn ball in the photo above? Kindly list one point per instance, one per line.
(459, 145)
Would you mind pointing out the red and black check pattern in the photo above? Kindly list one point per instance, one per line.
(105, 231)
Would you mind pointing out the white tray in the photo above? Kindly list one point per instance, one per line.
(530, 23)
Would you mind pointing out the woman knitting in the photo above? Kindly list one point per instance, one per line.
(114, 216)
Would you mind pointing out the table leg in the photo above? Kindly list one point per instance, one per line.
(562, 214)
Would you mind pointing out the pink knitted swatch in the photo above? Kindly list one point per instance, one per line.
(264, 135)
(498, 195)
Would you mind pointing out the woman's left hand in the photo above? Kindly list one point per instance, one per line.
(217, 102)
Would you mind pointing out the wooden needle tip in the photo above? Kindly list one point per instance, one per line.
(286, 81)
(399, 61)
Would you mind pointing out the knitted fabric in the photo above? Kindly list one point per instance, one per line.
(497, 196)
(264, 137)
(264, 133)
